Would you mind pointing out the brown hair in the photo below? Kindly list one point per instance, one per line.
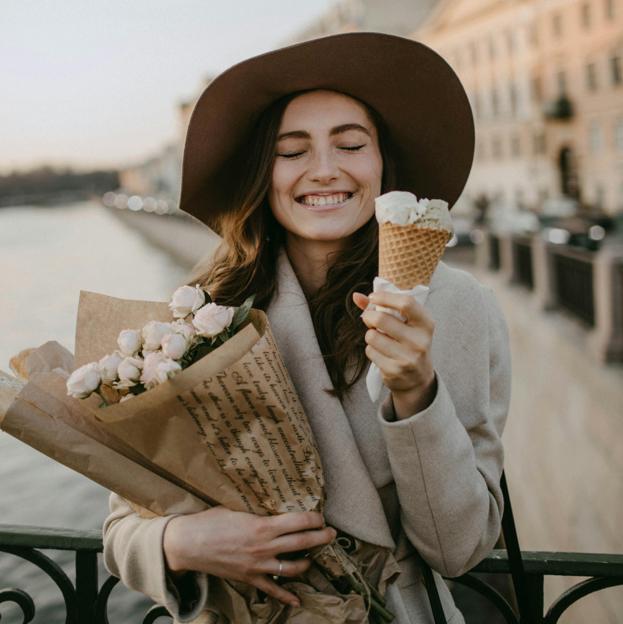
(245, 262)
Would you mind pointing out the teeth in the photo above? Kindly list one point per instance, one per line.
(324, 200)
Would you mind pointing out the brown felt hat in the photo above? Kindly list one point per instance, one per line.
(418, 95)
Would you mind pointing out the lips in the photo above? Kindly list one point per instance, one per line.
(324, 199)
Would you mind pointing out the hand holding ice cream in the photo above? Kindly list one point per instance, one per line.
(412, 237)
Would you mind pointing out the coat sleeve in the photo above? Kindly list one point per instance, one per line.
(133, 552)
(447, 460)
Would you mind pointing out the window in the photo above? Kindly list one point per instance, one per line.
(585, 15)
(591, 77)
(473, 52)
(512, 98)
(557, 24)
(495, 102)
(615, 69)
(538, 143)
(537, 90)
(594, 137)
(491, 46)
(618, 135)
(496, 147)
(510, 41)
(533, 34)
(561, 81)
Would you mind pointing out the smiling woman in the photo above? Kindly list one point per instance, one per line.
(285, 155)
(326, 174)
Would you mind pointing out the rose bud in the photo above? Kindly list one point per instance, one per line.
(153, 333)
(157, 369)
(108, 366)
(83, 381)
(129, 372)
(129, 341)
(186, 299)
(212, 319)
(174, 346)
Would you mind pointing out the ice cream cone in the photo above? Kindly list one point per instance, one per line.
(409, 254)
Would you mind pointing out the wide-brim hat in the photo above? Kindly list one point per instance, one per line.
(421, 100)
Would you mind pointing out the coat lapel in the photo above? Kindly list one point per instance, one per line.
(353, 503)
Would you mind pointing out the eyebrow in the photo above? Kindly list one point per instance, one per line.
(303, 134)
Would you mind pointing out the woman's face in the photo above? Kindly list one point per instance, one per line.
(327, 169)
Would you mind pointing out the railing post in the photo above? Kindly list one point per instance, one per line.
(534, 585)
(86, 585)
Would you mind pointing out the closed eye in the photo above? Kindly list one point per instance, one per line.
(290, 154)
(352, 148)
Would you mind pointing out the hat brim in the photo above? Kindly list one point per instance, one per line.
(415, 91)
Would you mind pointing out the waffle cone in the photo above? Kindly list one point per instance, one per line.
(408, 254)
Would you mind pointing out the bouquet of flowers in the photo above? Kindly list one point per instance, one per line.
(192, 410)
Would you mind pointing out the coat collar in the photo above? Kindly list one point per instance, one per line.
(351, 494)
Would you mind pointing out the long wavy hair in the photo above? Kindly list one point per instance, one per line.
(245, 262)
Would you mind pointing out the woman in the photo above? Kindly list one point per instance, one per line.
(285, 154)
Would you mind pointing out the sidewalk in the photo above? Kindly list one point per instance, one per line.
(563, 441)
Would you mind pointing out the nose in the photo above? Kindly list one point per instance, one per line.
(323, 166)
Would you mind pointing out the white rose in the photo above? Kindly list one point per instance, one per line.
(129, 371)
(129, 341)
(212, 319)
(183, 328)
(157, 369)
(174, 346)
(83, 381)
(186, 299)
(153, 333)
(108, 366)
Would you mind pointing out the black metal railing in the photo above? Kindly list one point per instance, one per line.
(522, 259)
(573, 269)
(86, 601)
(494, 252)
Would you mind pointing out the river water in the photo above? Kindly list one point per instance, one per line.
(47, 255)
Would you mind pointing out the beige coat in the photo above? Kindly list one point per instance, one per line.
(431, 480)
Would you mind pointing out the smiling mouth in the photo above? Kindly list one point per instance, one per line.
(335, 199)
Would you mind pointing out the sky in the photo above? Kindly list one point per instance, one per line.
(96, 83)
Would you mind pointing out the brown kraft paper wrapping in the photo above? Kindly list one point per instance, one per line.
(231, 425)
(37, 419)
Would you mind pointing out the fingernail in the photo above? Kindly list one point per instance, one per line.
(296, 604)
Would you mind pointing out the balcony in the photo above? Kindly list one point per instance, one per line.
(559, 109)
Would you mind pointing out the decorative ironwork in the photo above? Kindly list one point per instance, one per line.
(494, 252)
(86, 601)
(574, 281)
(22, 600)
(522, 258)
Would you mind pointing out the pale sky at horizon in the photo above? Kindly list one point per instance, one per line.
(96, 83)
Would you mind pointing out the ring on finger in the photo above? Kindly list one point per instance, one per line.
(276, 576)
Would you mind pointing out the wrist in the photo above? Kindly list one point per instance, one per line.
(170, 545)
(410, 402)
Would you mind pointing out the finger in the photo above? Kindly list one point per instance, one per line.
(305, 540)
(404, 356)
(406, 305)
(414, 336)
(271, 588)
(389, 367)
(288, 567)
(292, 522)
(360, 300)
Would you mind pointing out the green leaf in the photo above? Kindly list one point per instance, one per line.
(241, 314)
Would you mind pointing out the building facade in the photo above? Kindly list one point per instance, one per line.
(545, 80)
